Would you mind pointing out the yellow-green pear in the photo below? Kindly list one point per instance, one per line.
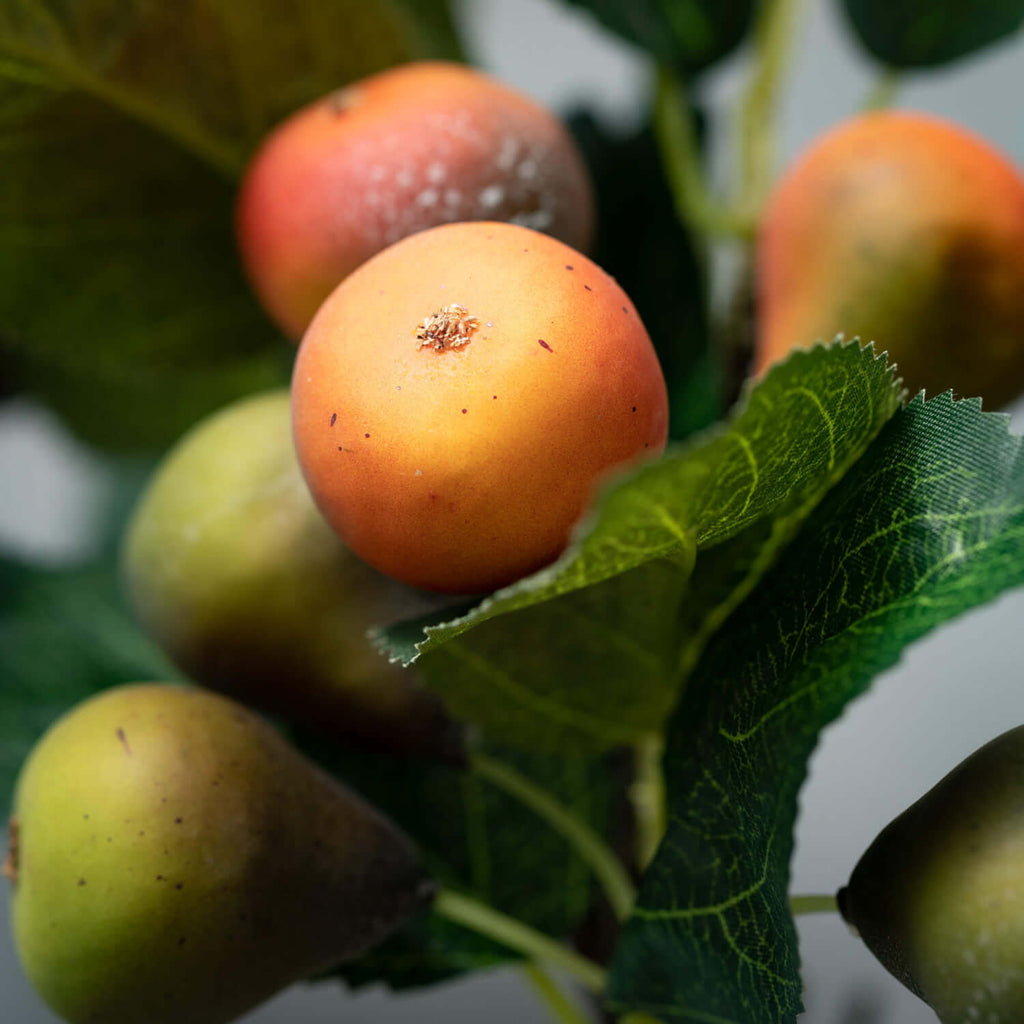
(175, 861)
(233, 571)
(939, 896)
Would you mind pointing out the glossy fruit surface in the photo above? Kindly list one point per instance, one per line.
(457, 399)
(233, 571)
(416, 146)
(939, 896)
(175, 860)
(906, 230)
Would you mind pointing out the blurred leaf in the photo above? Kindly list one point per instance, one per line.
(476, 838)
(924, 33)
(929, 523)
(643, 588)
(641, 243)
(64, 635)
(690, 34)
(123, 125)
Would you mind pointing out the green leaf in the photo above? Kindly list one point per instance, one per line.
(593, 650)
(64, 636)
(929, 523)
(123, 126)
(477, 839)
(690, 34)
(924, 33)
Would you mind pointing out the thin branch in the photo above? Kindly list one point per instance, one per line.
(683, 164)
(591, 847)
(485, 920)
(813, 904)
(561, 1007)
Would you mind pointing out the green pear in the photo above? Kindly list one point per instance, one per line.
(174, 860)
(939, 896)
(232, 570)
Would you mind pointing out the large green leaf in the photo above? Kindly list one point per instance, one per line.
(923, 33)
(123, 126)
(929, 523)
(691, 34)
(643, 588)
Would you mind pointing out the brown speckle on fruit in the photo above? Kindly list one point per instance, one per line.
(124, 742)
(451, 326)
(343, 100)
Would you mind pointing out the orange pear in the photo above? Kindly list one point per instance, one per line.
(908, 231)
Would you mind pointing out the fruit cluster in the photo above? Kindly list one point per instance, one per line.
(466, 381)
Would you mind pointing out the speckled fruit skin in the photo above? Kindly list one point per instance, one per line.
(177, 861)
(905, 230)
(939, 896)
(229, 566)
(463, 469)
(419, 145)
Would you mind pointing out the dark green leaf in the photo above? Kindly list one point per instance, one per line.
(602, 665)
(929, 523)
(691, 34)
(124, 124)
(923, 33)
(64, 635)
(477, 839)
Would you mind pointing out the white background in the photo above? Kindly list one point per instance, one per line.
(952, 692)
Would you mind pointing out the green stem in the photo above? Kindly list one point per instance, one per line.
(883, 91)
(607, 868)
(485, 920)
(813, 904)
(683, 164)
(773, 38)
(558, 1003)
(649, 800)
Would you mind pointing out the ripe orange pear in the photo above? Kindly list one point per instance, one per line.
(908, 231)
(421, 144)
(233, 571)
(173, 859)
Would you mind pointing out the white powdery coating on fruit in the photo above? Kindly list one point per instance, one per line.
(527, 170)
(504, 170)
(507, 154)
(491, 196)
(539, 220)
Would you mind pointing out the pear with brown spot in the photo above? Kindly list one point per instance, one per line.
(174, 859)
(939, 896)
